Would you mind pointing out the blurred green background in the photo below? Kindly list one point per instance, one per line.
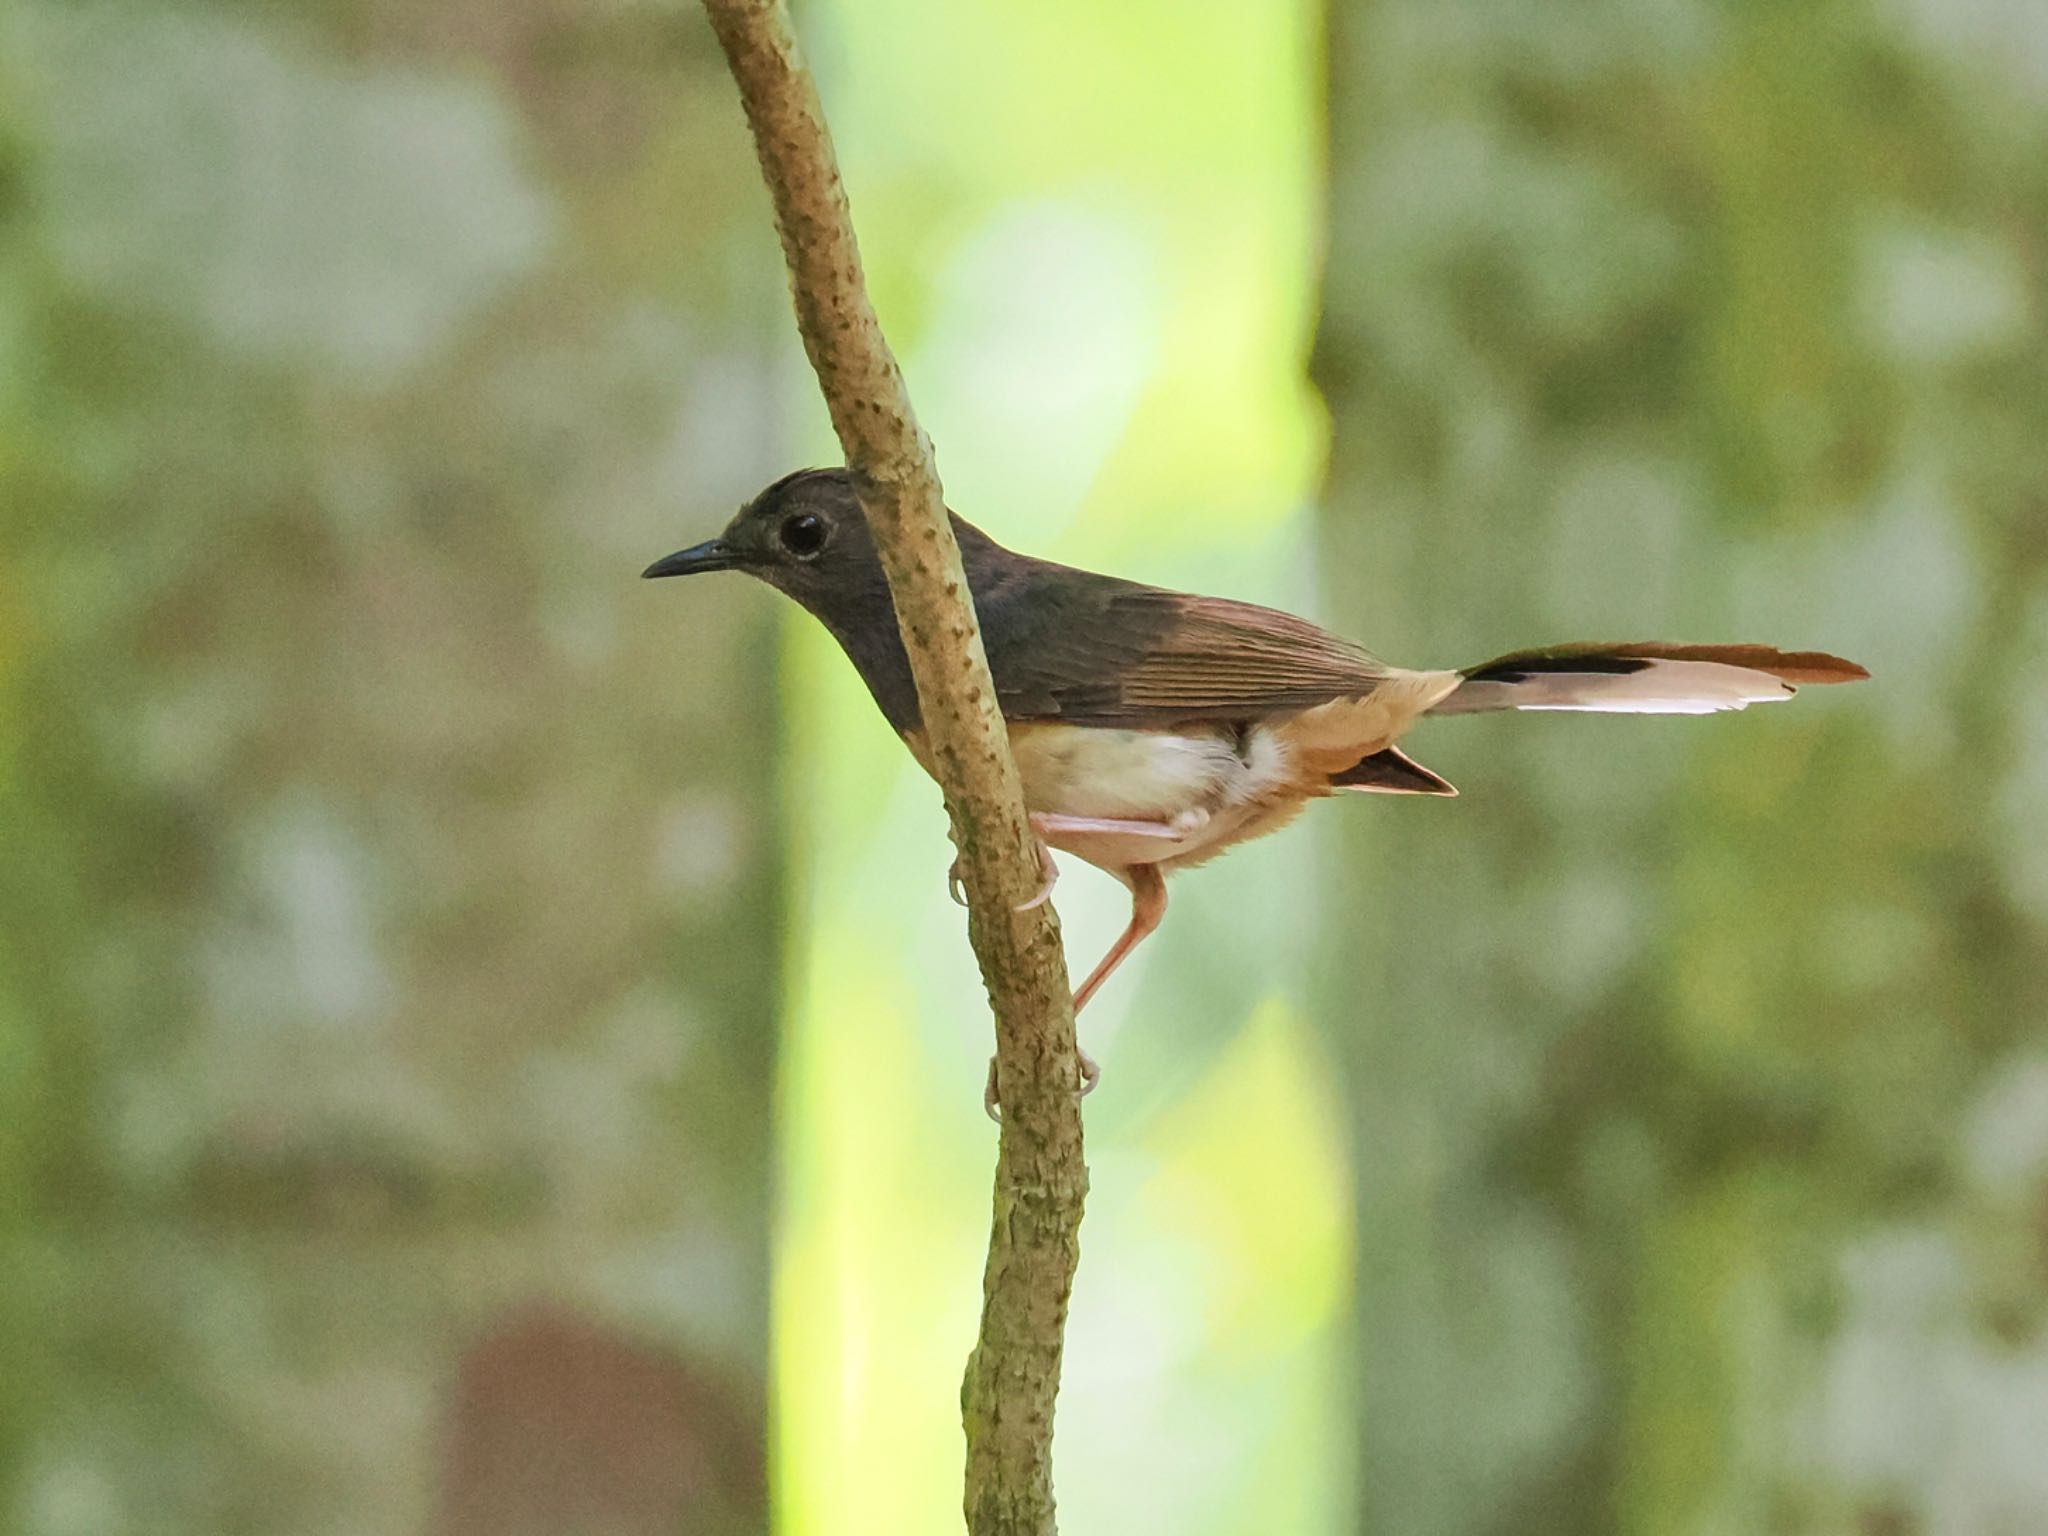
(484, 1045)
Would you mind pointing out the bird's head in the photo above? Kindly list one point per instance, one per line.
(805, 535)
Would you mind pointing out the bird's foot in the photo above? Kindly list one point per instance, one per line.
(1050, 877)
(1051, 872)
(991, 1100)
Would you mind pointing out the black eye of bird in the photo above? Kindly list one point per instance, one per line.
(802, 535)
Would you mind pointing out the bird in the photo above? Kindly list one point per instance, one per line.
(1155, 729)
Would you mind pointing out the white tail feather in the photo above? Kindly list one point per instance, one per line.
(1660, 688)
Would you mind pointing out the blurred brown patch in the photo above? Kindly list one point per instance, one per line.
(559, 1423)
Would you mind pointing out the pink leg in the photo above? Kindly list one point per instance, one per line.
(1047, 823)
(1148, 906)
(1044, 823)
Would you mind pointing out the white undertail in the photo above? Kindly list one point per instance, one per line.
(1650, 677)
(1660, 688)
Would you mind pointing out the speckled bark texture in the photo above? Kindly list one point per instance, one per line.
(1041, 1178)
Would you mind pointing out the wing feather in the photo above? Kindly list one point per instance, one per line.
(1094, 650)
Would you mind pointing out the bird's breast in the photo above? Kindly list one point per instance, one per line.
(1139, 775)
(1207, 782)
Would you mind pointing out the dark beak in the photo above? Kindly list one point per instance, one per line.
(711, 555)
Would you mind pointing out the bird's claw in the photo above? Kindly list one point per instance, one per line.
(956, 888)
(991, 1101)
(1051, 872)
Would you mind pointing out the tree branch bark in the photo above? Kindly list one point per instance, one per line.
(1041, 1178)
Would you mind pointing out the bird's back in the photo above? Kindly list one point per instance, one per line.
(1074, 645)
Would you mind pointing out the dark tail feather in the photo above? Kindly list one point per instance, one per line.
(1391, 772)
(1643, 678)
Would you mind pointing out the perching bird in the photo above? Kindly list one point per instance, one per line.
(1154, 729)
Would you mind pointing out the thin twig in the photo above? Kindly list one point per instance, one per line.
(1041, 1179)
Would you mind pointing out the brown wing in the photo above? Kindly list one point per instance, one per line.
(1224, 654)
(1094, 650)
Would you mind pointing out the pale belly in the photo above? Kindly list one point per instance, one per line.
(1212, 788)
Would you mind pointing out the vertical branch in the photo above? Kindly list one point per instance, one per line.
(1041, 1179)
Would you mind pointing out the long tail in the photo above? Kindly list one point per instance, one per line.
(1642, 679)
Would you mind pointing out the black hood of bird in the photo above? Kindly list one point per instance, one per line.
(807, 537)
